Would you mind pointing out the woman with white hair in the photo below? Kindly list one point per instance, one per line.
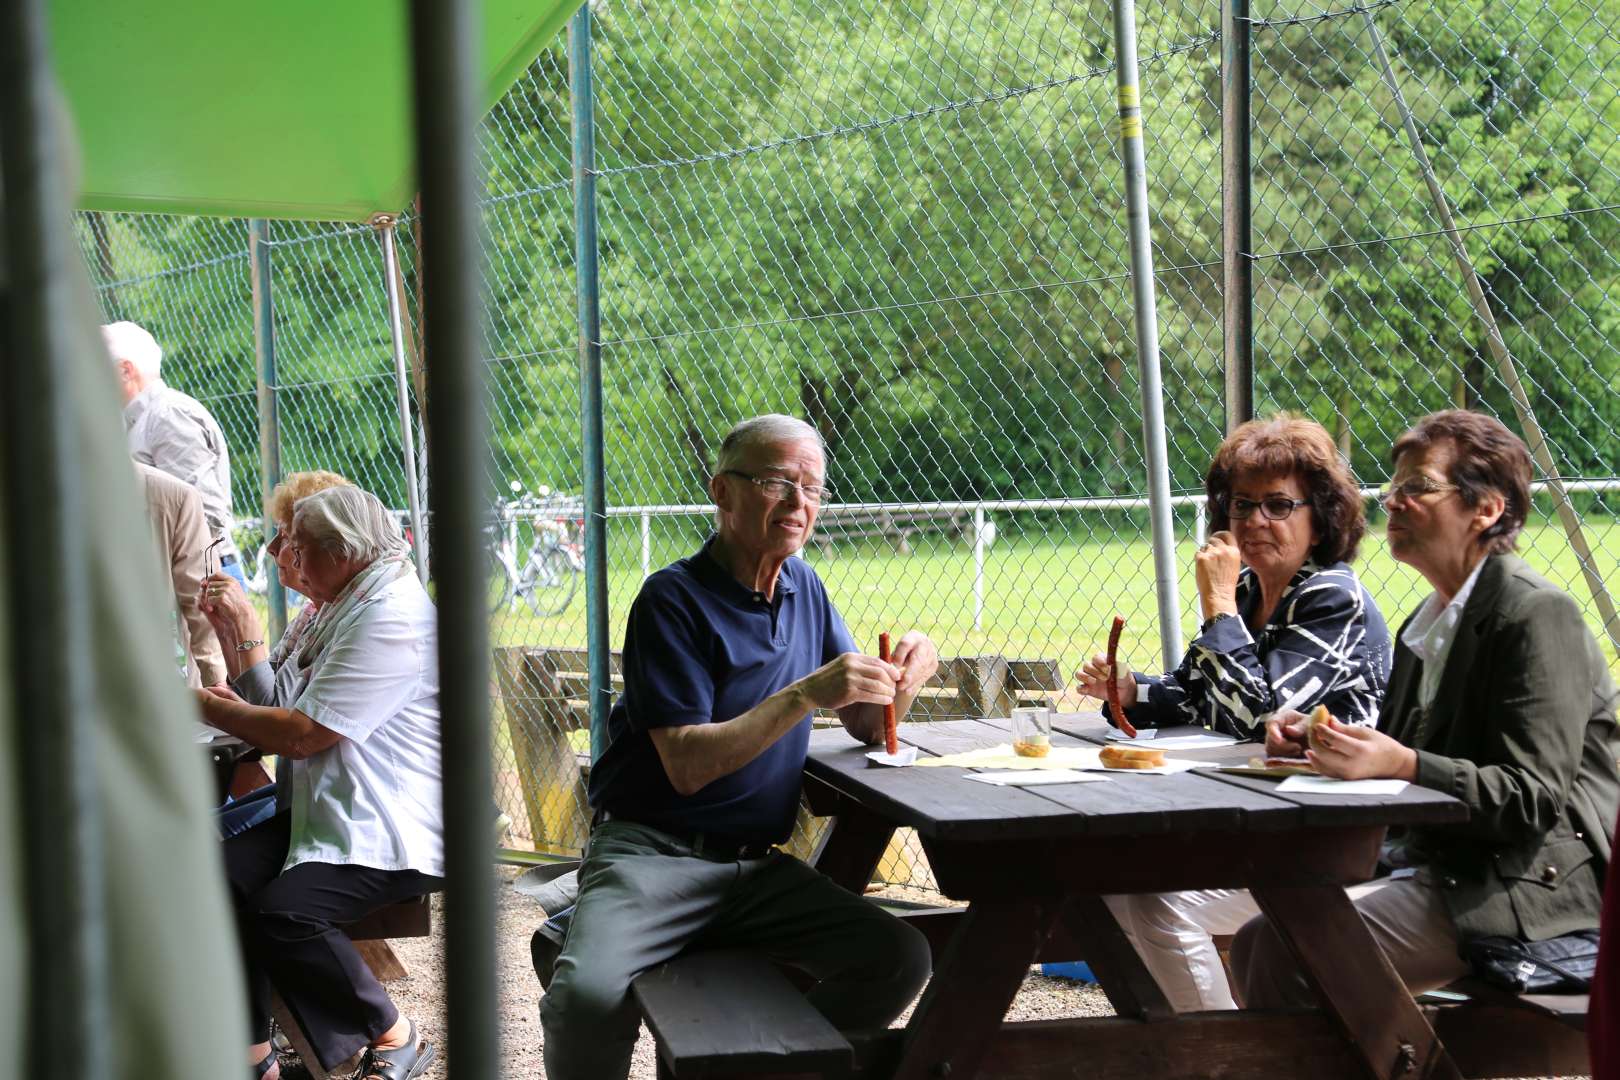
(362, 827)
(260, 675)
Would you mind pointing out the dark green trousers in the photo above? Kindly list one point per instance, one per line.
(645, 898)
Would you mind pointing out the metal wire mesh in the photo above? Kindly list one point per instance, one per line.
(905, 222)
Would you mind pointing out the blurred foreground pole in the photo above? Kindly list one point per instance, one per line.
(47, 543)
(1237, 239)
(1147, 334)
(443, 44)
(1533, 436)
(590, 373)
(264, 343)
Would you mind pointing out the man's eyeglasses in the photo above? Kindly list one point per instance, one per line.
(781, 489)
(1275, 507)
(1412, 489)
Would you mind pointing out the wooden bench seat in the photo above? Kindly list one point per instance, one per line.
(1496, 1033)
(1568, 1009)
(734, 1014)
(836, 524)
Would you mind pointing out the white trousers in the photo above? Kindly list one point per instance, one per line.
(1172, 934)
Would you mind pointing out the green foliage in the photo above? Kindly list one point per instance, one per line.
(906, 223)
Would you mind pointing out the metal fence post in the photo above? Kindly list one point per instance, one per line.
(1237, 239)
(646, 544)
(1147, 333)
(978, 568)
(445, 39)
(264, 344)
(384, 224)
(1539, 450)
(590, 372)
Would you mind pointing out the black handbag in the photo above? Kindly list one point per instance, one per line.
(1560, 965)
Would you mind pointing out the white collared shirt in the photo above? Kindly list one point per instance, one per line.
(1431, 633)
(373, 798)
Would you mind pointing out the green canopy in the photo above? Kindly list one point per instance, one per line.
(293, 109)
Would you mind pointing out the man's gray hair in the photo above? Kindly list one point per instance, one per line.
(349, 523)
(127, 341)
(762, 430)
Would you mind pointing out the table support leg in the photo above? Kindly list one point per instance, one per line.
(973, 985)
(851, 848)
(1356, 983)
(1114, 960)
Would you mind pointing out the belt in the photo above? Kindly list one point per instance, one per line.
(712, 846)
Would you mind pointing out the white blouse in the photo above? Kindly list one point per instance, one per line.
(373, 798)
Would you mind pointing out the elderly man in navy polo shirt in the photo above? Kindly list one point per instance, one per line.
(726, 655)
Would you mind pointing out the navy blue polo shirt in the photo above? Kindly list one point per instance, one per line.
(702, 648)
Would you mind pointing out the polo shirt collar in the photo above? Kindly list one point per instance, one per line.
(707, 569)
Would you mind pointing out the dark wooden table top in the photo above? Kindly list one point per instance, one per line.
(941, 802)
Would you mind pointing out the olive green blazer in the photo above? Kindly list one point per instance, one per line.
(1523, 730)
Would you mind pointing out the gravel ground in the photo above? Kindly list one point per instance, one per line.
(421, 995)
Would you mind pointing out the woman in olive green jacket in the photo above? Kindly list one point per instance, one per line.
(1500, 697)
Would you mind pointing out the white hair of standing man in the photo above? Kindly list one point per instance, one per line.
(350, 523)
(127, 341)
(760, 431)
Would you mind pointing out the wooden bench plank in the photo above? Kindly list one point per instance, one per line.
(838, 524)
(1501, 1041)
(1567, 1008)
(727, 1013)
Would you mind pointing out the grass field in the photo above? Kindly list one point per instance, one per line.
(1045, 594)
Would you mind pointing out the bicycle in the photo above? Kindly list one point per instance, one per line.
(255, 558)
(549, 574)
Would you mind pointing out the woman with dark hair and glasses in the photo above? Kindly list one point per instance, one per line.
(1287, 624)
(1287, 627)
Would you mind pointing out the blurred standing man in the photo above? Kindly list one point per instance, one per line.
(174, 432)
(176, 512)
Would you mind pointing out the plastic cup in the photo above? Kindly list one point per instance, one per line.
(1032, 730)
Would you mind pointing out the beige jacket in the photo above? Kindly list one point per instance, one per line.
(175, 509)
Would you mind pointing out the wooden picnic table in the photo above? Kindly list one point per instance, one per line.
(1034, 864)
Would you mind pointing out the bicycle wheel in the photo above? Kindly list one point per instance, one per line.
(549, 581)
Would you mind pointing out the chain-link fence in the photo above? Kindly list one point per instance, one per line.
(905, 222)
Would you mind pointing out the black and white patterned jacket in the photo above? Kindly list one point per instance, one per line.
(1325, 644)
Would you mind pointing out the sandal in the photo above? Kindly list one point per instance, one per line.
(263, 1068)
(401, 1063)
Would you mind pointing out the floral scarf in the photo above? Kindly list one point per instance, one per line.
(340, 612)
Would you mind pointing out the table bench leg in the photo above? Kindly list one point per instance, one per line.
(852, 846)
(1356, 983)
(1130, 987)
(960, 1012)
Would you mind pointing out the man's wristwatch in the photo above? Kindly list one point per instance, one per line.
(244, 646)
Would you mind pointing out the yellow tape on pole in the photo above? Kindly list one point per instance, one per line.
(1130, 117)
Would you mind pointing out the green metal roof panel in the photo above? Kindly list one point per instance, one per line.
(294, 109)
